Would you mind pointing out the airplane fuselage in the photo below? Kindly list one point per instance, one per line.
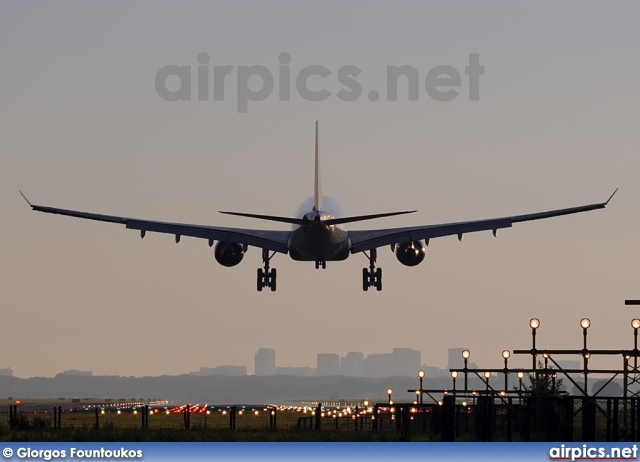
(316, 240)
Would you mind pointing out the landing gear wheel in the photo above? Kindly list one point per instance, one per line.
(321, 263)
(260, 279)
(266, 276)
(372, 276)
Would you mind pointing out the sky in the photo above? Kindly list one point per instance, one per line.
(83, 126)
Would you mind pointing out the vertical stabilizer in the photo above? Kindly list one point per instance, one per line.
(317, 193)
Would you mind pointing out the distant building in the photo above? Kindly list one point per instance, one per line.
(76, 372)
(402, 362)
(405, 362)
(352, 365)
(377, 365)
(231, 371)
(265, 362)
(296, 371)
(328, 364)
(6, 372)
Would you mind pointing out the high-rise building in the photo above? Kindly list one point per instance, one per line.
(352, 365)
(405, 362)
(328, 364)
(377, 365)
(266, 361)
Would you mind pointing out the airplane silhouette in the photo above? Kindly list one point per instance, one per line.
(318, 234)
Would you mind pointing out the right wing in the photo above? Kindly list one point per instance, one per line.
(275, 241)
(372, 239)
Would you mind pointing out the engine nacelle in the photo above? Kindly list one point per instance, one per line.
(229, 253)
(410, 253)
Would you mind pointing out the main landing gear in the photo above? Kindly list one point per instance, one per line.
(321, 264)
(266, 276)
(372, 277)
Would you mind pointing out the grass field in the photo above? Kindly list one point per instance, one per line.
(123, 422)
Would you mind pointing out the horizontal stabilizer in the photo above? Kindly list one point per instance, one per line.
(339, 221)
(305, 221)
(293, 221)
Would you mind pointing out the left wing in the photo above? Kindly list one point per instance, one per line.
(372, 239)
(275, 241)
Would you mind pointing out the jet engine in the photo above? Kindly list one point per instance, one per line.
(229, 253)
(410, 253)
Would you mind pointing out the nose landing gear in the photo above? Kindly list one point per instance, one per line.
(372, 277)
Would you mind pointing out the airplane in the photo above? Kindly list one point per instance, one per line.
(318, 234)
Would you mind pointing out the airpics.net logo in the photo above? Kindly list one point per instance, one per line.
(255, 83)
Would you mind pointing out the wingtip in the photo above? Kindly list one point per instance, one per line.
(611, 196)
(25, 198)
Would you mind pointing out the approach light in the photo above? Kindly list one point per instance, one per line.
(635, 323)
(534, 323)
(506, 354)
(466, 354)
(585, 323)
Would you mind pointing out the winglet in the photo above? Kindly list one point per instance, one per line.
(614, 193)
(25, 198)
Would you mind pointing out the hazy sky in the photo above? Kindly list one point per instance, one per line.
(82, 127)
